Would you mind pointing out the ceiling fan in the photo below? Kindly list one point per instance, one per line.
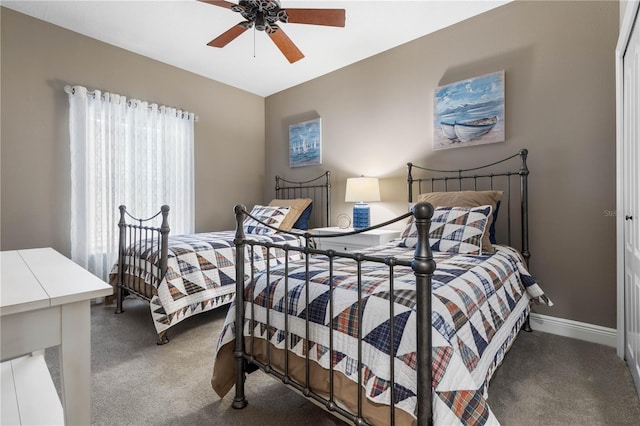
(263, 15)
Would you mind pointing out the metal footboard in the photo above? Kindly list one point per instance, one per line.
(423, 266)
(141, 238)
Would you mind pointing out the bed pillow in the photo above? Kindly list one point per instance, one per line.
(467, 199)
(270, 215)
(453, 230)
(296, 207)
(303, 221)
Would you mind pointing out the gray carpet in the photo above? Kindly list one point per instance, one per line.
(544, 380)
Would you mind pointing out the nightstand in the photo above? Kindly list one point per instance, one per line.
(354, 242)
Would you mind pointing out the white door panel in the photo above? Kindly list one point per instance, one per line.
(631, 201)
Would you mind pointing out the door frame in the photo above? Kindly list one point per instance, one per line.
(629, 19)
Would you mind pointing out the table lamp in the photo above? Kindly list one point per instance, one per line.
(360, 190)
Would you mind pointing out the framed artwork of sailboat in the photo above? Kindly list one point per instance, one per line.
(305, 143)
(469, 112)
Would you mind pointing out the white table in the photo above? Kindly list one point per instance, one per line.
(45, 301)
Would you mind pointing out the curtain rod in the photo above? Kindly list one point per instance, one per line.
(70, 90)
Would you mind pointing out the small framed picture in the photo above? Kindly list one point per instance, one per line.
(305, 143)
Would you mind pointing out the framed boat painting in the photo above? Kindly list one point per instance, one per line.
(305, 143)
(469, 112)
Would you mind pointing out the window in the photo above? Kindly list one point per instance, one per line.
(125, 152)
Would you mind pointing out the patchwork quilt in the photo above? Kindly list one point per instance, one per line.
(479, 304)
(201, 272)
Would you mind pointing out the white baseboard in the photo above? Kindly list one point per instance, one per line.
(575, 329)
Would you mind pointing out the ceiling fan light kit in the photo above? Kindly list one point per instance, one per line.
(264, 15)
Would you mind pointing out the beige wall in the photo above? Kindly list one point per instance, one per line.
(39, 59)
(560, 104)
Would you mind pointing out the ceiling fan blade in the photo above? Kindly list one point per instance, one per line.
(226, 4)
(286, 46)
(227, 37)
(329, 17)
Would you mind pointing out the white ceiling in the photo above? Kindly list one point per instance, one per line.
(177, 32)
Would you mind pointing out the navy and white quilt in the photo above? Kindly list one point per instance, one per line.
(479, 303)
(201, 272)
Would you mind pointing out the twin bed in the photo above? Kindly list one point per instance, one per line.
(406, 333)
(183, 275)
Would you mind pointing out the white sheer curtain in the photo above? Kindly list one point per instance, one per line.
(125, 152)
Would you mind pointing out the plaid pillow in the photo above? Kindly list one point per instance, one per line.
(270, 215)
(453, 230)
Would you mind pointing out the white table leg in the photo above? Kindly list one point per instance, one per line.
(75, 362)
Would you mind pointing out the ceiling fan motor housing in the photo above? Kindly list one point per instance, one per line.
(264, 14)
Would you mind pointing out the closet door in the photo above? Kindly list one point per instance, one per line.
(631, 201)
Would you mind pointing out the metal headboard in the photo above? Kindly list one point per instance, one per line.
(318, 189)
(477, 179)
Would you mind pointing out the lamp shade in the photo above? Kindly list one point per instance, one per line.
(362, 189)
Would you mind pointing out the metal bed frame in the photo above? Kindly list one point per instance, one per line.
(483, 181)
(423, 267)
(318, 189)
(141, 232)
(149, 237)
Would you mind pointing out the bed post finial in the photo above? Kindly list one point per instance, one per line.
(423, 266)
(239, 211)
(239, 400)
